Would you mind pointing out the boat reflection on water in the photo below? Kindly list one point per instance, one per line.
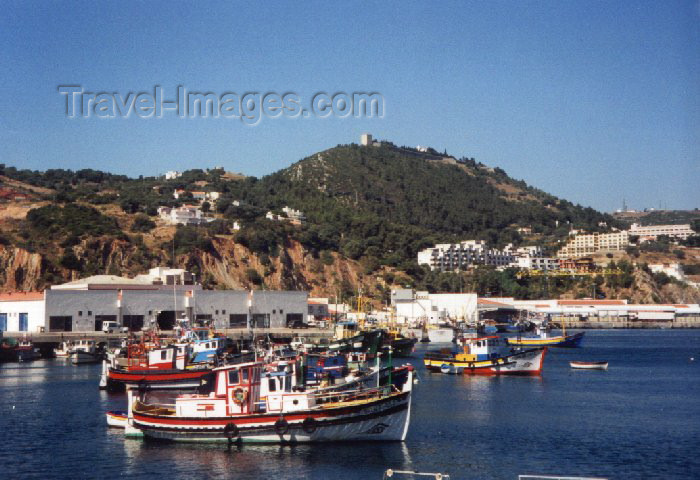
(16, 374)
(263, 461)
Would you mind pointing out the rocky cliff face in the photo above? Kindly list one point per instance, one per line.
(231, 265)
(227, 267)
(19, 269)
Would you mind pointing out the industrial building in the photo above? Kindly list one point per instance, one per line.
(84, 305)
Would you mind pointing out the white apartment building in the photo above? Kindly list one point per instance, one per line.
(652, 232)
(448, 257)
(528, 262)
(583, 245)
(185, 215)
(294, 216)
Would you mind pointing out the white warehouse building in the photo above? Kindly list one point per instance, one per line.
(85, 310)
(412, 306)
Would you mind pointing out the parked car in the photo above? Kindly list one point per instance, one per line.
(110, 327)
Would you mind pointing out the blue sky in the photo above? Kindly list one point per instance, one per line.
(591, 101)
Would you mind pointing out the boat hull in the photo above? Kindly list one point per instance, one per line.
(568, 341)
(526, 362)
(402, 347)
(27, 355)
(116, 419)
(80, 357)
(441, 335)
(155, 379)
(589, 365)
(382, 420)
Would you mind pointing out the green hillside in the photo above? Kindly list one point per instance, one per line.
(388, 202)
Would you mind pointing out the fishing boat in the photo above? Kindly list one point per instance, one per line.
(589, 365)
(8, 349)
(116, 418)
(150, 363)
(486, 356)
(401, 346)
(365, 341)
(154, 368)
(231, 412)
(26, 352)
(85, 351)
(63, 349)
(541, 338)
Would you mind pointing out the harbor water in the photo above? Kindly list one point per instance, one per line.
(639, 419)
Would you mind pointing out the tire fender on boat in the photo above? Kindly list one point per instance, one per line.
(309, 425)
(281, 426)
(144, 386)
(231, 431)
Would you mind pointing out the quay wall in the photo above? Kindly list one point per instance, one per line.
(611, 322)
(311, 334)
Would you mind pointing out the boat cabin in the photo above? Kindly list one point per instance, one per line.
(172, 357)
(482, 348)
(236, 392)
(319, 367)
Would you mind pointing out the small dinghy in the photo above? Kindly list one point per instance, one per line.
(589, 365)
(116, 418)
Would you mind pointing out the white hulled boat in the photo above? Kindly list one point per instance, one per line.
(63, 350)
(85, 351)
(232, 413)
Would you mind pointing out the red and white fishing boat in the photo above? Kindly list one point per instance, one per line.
(589, 365)
(231, 412)
(150, 364)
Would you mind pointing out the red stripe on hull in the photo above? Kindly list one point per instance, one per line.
(154, 377)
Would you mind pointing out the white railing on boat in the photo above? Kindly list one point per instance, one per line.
(321, 398)
(437, 476)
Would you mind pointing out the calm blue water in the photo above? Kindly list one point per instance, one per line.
(640, 419)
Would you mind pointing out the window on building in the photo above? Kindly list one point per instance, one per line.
(80, 313)
(223, 312)
(237, 320)
(23, 322)
(60, 324)
(216, 312)
(260, 320)
(133, 322)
